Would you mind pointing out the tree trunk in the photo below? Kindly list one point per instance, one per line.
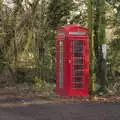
(103, 72)
(100, 43)
(90, 28)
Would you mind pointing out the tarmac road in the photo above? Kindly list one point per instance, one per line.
(69, 111)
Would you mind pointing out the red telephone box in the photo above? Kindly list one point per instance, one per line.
(72, 61)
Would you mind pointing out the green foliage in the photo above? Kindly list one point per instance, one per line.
(79, 14)
(27, 36)
(39, 83)
(114, 65)
(114, 46)
(44, 87)
(59, 12)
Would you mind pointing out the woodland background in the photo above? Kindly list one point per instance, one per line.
(27, 39)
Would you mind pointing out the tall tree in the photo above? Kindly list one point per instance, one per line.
(91, 42)
(100, 42)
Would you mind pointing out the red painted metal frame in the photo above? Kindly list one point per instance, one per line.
(68, 59)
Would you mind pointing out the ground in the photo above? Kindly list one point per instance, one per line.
(71, 111)
(16, 106)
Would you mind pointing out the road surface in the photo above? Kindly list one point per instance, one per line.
(69, 111)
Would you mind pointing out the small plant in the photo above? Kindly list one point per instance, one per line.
(39, 83)
(46, 89)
